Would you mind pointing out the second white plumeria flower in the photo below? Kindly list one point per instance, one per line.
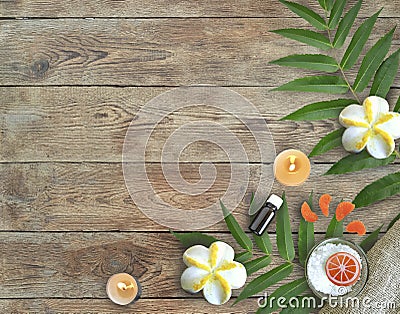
(372, 126)
(213, 271)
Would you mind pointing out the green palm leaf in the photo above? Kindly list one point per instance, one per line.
(316, 62)
(336, 13)
(357, 162)
(335, 228)
(266, 280)
(370, 240)
(305, 36)
(263, 242)
(358, 41)
(385, 75)
(372, 60)
(397, 106)
(345, 25)
(379, 190)
(284, 239)
(309, 15)
(328, 142)
(316, 84)
(243, 256)
(326, 4)
(189, 239)
(237, 232)
(287, 291)
(257, 264)
(320, 110)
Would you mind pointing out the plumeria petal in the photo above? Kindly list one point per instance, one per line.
(197, 256)
(353, 116)
(381, 145)
(213, 271)
(234, 273)
(370, 125)
(374, 106)
(355, 139)
(194, 279)
(220, 253)
(390, 123)
(217, 290)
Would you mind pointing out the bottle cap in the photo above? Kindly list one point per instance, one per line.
(275, 200)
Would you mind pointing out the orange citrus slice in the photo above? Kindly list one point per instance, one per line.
(343, 269)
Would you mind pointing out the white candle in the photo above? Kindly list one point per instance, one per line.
(123, 289)
(292, 167)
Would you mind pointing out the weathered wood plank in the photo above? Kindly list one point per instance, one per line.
(77, 265)
(93, 197)
(89, 124)
(143, 52)
(175, 8)
(143, 306)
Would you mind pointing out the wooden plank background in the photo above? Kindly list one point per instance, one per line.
(73, 74)
(172, 8)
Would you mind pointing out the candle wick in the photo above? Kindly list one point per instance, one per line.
(124, 287)
(292, 160)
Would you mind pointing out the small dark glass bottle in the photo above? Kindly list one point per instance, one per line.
(266, 214)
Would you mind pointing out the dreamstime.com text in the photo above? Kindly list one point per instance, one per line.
(332, 301)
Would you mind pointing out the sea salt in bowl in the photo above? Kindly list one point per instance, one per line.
(317, 278)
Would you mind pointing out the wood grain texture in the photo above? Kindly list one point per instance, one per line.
(148, 52)
(143, 306)
(61, 139)
(56, 123)
(93, 197)
(77, 265)
(171, 8)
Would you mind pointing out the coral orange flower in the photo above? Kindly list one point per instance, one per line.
(343, 209)
(324, 202)
(307, 213)
(356, 226)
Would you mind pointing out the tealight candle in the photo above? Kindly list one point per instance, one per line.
(123, 289)
(292, 167)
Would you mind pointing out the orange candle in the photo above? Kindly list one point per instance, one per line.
(122, 289)
(292, 167)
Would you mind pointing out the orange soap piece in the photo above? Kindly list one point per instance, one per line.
(324, 202)
(307, 213)
(343, 269)
(356, 226)
(343, 209)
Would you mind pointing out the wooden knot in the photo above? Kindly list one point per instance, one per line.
(39, 68)
(116, 262)
(101, 115)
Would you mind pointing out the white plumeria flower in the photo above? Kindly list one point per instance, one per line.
(370, 125)
(213, 271)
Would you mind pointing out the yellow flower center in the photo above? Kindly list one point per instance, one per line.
(386, 136)
(360, 124)
(364, 140)
(197, 264)
(368, 110)
(384, 118)
(213, 255)
(224, 284)
(202, 282)
(227, 266)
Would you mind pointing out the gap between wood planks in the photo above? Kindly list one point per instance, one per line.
(7, 18)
